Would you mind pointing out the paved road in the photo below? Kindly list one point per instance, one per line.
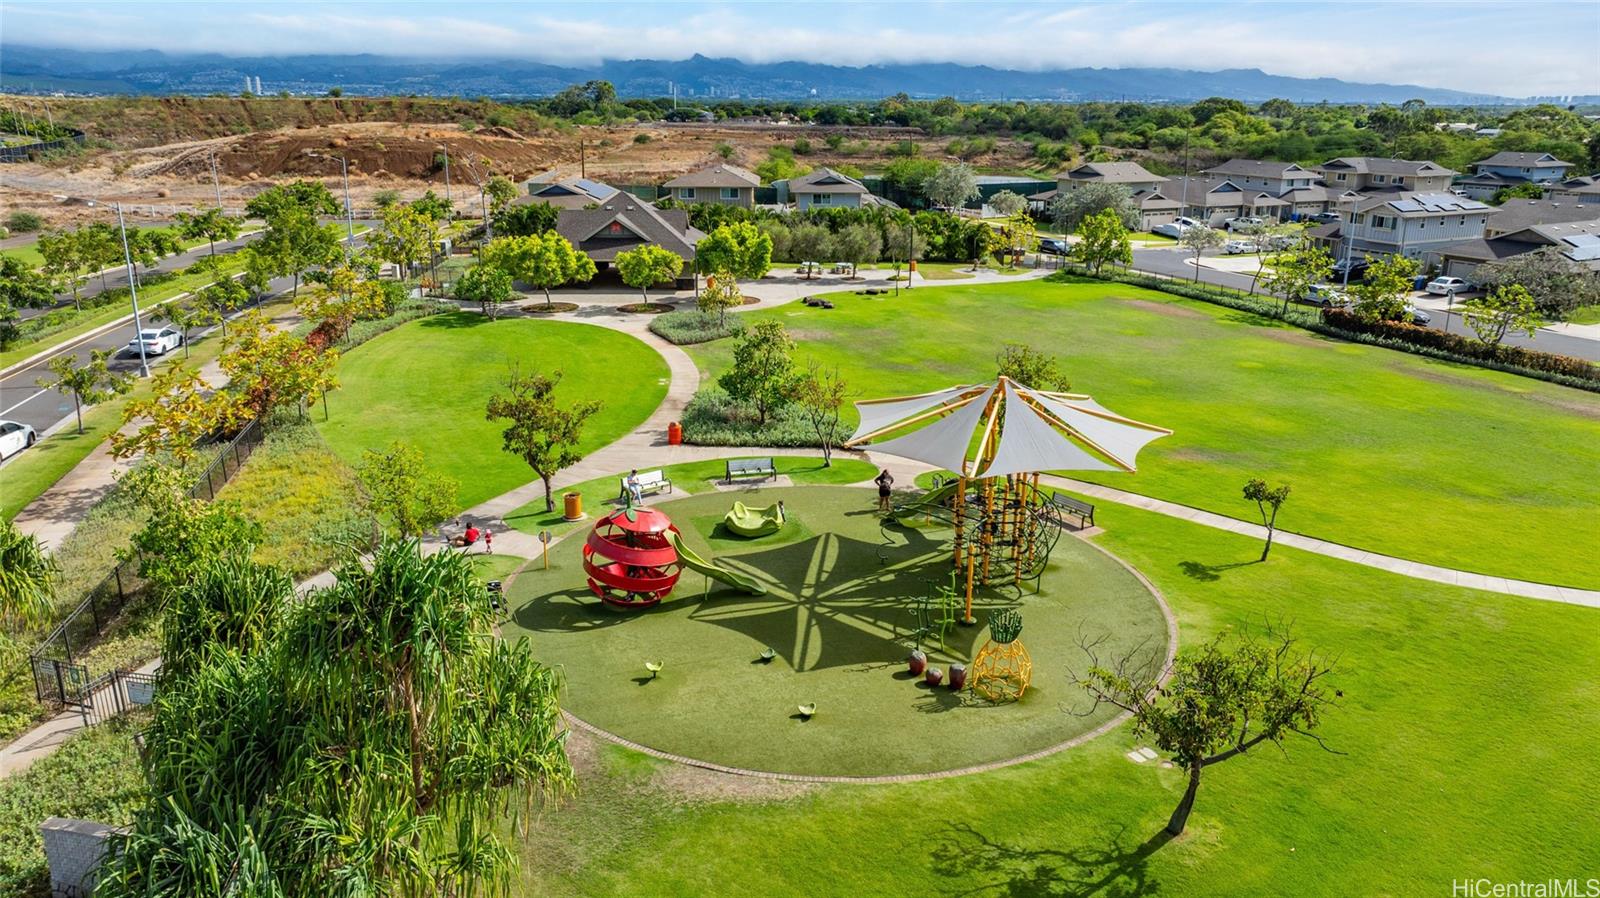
(21, 398)
(1175, 263)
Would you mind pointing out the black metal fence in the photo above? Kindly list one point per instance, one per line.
(32, 150)
(59, 674)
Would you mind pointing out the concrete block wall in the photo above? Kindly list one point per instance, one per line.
(74, 849)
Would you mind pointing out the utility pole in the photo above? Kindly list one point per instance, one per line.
(133, 293)
(447, 174)
(583, 156)
(215, 184)
(349, 216)
(1183, 204)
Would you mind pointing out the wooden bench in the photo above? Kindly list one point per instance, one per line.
(649, 482)
(1064, 505)
(751, 467)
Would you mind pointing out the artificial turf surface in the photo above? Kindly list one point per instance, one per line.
(1462, 748)
(839, 615)
(1395, 453)
(428, 382)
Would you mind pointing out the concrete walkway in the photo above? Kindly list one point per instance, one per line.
(43, 740)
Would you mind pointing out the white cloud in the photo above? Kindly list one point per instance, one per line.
(1432, 44)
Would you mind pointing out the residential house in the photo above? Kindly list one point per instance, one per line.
(724, 184)
(1579, 241)
(627, 222)
(1214, 200)
(1516, 214)
(1507, 169)
(825, 188)
(1374, 174)
(565, 193)
(1585, 189)
(1302, 192)
(1413, 225)
(1154, 208)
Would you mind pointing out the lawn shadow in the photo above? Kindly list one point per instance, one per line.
(457, 320)
(1254, 319)
(570, 611)
(1210, 573)
(1111, 870)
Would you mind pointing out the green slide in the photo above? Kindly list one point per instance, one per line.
(693, 562)
(930, 500)
(751, 520)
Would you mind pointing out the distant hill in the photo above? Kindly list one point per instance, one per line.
(38, 69)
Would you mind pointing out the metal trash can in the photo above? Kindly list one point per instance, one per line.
(674, 434)
(572, 505)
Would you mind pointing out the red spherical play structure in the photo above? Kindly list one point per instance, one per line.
(629, 558)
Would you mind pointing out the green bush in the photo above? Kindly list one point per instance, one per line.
(94, 775)
(687, 327)
(641, 138)
(24, 222)
(712, 418)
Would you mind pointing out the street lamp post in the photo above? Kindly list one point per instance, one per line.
(447, 174)
(349, 214)
(215, 184)
(133, 293)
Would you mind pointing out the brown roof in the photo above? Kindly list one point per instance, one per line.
(1379, 165)
(1257, 167)
(1482, 250)
(636, 223)
(1111, 173)
(720, 175)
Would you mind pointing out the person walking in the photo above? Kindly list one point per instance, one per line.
(885, 482)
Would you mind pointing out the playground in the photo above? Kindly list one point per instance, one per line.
(843, 591)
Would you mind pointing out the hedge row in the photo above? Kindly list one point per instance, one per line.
(1558, 369)
(713, 418)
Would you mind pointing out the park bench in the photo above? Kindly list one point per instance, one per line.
(649, 482)
(751, 467)
(1065, 505)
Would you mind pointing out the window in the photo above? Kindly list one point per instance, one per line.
(1399, 181)
(1381, 179)
(1339, 176)
(1357, 217)
(685, 193)
(730, 193)
(822, 199)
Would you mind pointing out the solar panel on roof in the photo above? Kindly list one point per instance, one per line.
(595, 188)
(1585, 247)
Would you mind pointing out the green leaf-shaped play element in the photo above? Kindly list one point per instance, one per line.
(768, 653)
(654, 667)
(808, 710)
(1005, 626)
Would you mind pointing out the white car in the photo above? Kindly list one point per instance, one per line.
(14, 438)
(1234, 247)
(1244, 223)
(1326, 296)
(1448, 286)
(1175, 227)
(157, 341)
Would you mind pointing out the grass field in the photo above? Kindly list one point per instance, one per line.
(1463, 742)
(427, 383)
(837, 614)
(1431, 461)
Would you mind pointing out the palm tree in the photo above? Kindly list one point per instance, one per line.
(27, 579)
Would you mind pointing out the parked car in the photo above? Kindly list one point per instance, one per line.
(1448, 286)
(1324, 295)
(1325, 217)
(1234, 247)
(15, 437)
(1244, 223)
(1051, 246)
(157, 341)
(1417, 316)
(1356, 268)
(1281, 241)
(1175, 227)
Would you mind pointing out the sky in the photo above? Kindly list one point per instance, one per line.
(1510, 48)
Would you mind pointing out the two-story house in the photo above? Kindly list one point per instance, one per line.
(1214, 200)
(725, 184)
(1579, 241)
(1516, 214)
(825, 188)
(1413, 225)
(1301, 190)
(1507, 169)
(1374, 174)
(1584, 189)
(1145, 187)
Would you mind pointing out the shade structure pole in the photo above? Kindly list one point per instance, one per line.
(990, 525)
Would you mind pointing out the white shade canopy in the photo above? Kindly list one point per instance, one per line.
(1041, 430)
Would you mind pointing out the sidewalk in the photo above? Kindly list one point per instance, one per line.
(43, 740)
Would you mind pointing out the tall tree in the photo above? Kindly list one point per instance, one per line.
(545, 261)
(1102, 239)
(720, 295)
(501, 192)
(1556, 283)
(857, 244)
(1268, 500)
(211, 225)
(525, 220)
(647, 265)
(541, 431)
(1071, 207)
(64, 260)
(311, 197)
(401, 489)
(1197, 240)
(407, 236)
(23, 288)
(181, 410)
(762, 373)
(1031, 368)
(1501, 310)
(297, 243)
(269, 368)
(1295, 270)
(820, 393)
(486, 285)
(87, 383)
(1381, 294)
(1218, 701)
(27, 579)
(739, 248)
(1008, 203)
(951, 186)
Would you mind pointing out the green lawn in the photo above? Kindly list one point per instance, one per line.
(687, 478)
(1585, 315)
(1464, 740)
(1147, 235)
(427, 383)
(29, 252)
(1391, 452)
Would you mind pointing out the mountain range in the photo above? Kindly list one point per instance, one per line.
(25, 69)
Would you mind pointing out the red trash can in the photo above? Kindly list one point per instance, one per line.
(674, 434)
